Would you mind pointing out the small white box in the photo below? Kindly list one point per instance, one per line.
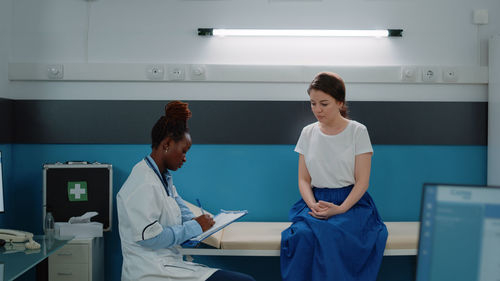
(79, 230)
(480, 16)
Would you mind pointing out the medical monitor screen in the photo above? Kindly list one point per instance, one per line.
(459, 233)
(1, 185)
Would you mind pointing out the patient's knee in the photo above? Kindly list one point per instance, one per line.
(301, 232)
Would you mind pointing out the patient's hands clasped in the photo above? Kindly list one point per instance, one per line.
(324, 210)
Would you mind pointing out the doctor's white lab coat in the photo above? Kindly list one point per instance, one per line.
(144, 208)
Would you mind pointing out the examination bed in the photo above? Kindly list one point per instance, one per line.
(263, 239)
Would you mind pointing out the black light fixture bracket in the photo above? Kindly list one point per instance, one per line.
(395, 32)
(205, 31)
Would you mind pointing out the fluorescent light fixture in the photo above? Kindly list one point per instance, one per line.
(300, 32)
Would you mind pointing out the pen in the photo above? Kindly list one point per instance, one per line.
(199, 205)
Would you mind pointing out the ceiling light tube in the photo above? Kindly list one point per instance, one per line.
(300, 32)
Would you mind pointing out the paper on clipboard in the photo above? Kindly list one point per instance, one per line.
(222, 219)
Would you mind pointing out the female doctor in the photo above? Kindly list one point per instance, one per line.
(153, 218)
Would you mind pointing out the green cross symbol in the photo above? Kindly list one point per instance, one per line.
(77, 191)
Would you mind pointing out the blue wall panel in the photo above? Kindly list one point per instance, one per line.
(399, 172)
(259, 178)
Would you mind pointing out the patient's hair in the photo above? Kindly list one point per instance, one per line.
(330, 83)
(173, 124)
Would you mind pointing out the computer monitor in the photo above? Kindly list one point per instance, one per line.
(459, 233)
(1, 185)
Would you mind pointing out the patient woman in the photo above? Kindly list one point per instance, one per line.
(153, 218)
(336, 231)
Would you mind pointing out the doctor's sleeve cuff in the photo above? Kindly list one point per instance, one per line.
(173, 235)
(151, 230)
(163, 240)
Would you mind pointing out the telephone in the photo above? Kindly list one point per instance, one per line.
(17, 236)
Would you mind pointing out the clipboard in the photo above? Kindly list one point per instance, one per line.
(222, 219)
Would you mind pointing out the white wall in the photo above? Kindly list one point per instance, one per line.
(5, 20)
(436, 32)
(494, 113)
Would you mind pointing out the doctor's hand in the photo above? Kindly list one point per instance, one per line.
(205, 221)
(324, 210)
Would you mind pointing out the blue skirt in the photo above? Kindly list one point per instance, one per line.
(348, 246)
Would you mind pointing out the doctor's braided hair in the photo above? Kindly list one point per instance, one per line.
(173, 124)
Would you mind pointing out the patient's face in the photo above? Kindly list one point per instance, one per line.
(324, 106)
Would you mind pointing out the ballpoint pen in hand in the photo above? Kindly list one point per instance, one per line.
(199, 205)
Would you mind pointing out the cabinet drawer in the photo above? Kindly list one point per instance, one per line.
(71, 253)
(68, 272)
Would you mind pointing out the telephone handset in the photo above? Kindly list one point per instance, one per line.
(16, 236)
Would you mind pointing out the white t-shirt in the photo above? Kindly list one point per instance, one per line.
(330, 158)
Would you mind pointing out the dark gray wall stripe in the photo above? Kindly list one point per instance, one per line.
(436, 123)
(246, 122)
(70, 121)
(6, 115)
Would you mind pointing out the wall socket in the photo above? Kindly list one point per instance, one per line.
(176, 72)
(55, 71)
(429, 74)
(155, 72)
(409, 73)
(197, 72)
(450, 74)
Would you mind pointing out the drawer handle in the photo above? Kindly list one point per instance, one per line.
(64, 254)
(64, 273)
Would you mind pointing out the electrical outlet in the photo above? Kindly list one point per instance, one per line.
(197, 72)
(450, 74)
(408, 73)
(155, 72)
(55, 71)
(176, 72)
(429, 74)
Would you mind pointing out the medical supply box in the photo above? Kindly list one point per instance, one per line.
(73, 188)
(79, 230)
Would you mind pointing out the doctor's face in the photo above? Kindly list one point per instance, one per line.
(176, 155)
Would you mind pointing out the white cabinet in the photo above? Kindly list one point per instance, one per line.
(82, 259)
